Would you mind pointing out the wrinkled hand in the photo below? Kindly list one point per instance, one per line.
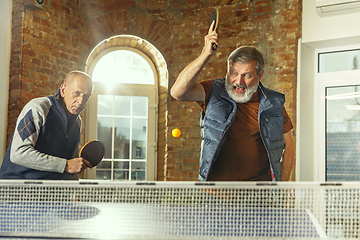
(77, 165)
(210, 39)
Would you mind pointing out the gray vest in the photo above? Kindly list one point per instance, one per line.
(220, 112)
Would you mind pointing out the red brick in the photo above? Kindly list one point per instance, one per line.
(64, 56)
(46, 64)
(43, 77)
(56, 6)
(45, 22)
(262, 3)
(262, 9)
(29, 52)
(261, 16)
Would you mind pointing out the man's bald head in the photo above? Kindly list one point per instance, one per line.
(73, 74)
(76, 91)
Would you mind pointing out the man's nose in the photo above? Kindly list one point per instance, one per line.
(81, 99)
(240, 79)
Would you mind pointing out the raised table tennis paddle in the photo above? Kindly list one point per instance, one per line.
(214, 17)
(93, 151)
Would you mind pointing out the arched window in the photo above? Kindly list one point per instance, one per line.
(123, 66)
(122, 113)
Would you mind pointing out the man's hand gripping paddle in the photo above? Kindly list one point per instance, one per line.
(214, 17)
(93, 151)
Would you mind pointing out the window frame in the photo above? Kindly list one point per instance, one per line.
(322, 81)
(151, 91)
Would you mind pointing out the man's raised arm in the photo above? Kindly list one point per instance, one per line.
(185, 87)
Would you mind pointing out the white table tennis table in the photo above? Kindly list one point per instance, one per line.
(142, 221)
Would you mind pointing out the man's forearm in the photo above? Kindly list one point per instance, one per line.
(185, 87)
(188, 77)
(287, 165)
(288, 157)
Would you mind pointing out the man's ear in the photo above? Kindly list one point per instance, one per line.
(62, 90)
(261, 74)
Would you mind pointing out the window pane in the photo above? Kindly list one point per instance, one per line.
(121, 175)
(140, 106)
(140, 76)
(343, 133)
(104, 128)
(105, 105)
(138, 175)
(122, 105)
(139, 141)
(122, 138)
(121, 165)
(122, 59)
(138, 170)
(104, 165)
(339, 61)
(103, 175)
(123, 66)
(139, 62)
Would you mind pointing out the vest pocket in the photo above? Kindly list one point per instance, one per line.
(272, 127)
(221, 116)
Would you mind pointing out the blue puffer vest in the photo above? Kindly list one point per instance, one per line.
(220, 113)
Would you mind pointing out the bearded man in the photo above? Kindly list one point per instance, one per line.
(245, 128)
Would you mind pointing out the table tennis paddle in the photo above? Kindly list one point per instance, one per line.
(93, 151)
(214, 17)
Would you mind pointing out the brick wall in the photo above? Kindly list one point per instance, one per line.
(48, 43)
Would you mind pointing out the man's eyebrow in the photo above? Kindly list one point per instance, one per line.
(245, 73)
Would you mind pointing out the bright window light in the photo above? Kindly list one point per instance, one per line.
(123, 66)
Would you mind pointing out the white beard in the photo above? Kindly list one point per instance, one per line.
(240, 98)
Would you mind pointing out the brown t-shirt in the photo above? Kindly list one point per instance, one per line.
(243, 155)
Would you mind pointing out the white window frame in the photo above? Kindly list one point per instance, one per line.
(151, 91)
(322, 81)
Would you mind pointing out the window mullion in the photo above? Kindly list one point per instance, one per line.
(113, 139)
(131, 137)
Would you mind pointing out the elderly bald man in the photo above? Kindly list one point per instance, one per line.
(47, 134)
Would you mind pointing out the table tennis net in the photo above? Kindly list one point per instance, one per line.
(179, 210)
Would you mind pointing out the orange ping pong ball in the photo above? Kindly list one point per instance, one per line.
(176, 132)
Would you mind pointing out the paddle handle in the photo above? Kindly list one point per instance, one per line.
(214, 46)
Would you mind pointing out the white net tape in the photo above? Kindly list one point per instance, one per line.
(179, 210)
